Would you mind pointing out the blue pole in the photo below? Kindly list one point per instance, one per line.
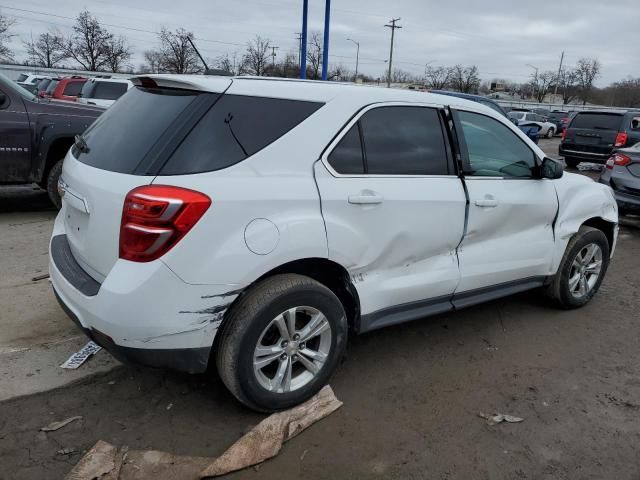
(325, 48)
(303, 40)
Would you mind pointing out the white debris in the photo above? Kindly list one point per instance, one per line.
(81, 356)
(499, 418)
(52, 427)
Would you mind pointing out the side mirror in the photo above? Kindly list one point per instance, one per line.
(551, 169)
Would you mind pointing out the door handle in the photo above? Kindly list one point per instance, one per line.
(487, 202)
(366, 197)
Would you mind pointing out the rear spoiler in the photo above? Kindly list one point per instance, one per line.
(214, 84)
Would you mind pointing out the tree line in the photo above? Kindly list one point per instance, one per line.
(93, 47)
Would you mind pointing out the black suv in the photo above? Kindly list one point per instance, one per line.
(35, 135)
(592, 136)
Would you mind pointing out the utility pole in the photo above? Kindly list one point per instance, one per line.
(303, 40)
(555, 91)
(393, 27)
(273, 56)
(299, 38)
(357, 56)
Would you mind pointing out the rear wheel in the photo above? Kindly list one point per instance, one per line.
(551, 132)
(281, 342)
(571, 162)
(582, 268)
(52, 184)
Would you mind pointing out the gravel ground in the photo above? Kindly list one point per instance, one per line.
(411, 393)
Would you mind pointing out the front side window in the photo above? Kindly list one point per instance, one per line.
(403, 141)
(494, 150)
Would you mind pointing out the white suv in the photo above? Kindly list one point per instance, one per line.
(103, 92)
(254, 223)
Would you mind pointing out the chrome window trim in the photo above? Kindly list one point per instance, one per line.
(329, 149)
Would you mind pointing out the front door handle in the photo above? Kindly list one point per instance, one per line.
(366, 197)
(487, 202)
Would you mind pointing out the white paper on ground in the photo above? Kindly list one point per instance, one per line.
(81, 356)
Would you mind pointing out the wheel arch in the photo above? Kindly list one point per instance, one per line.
(56, 150)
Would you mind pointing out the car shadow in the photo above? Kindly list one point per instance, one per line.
(24, 198)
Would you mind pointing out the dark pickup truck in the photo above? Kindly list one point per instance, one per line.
(36, 134)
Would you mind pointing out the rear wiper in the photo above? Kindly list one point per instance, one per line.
(228, 120)
(81, 144)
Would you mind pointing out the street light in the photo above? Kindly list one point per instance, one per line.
(357, 56)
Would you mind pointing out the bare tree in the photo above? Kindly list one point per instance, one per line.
(340, 73)
(541, 83)
(567, 85)
(88, 44)
(176, 55)
(437, 78)
(586, 71)
(118, 52)
(229, 63)
(5, 25)
(46, 51)
(153, 59)
(256, 56)
(314, 55)
(464, 79)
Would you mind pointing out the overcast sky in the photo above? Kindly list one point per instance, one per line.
(500, 36)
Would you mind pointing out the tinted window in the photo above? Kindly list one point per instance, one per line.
(493, 106)
(43, 84)
(52, 86)
(494, 150)
(87, 89)
(346, 157)
(109, 90)
(403, 141)
(72, 89)
(597, 121)
(235, 128)
(121, 137)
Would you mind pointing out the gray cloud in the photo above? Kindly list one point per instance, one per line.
(500, 36)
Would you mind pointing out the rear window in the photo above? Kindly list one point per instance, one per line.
(22, 77)
(235, 128)
(109, 90)
(87, 89)
(597, 121)
(121, 137)
(72, 89)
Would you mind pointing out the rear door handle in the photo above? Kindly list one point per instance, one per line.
(487, 203)
(366, 197)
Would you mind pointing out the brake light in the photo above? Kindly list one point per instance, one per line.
(155, 218)
(621, 139)
(617, 159)
(564, 133)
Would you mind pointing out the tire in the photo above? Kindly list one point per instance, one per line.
(571, 162)
(560, 288)
(52, 184)
(250, 324)
(551, 132)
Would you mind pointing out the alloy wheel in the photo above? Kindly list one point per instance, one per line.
(292, 349)
(585, 270)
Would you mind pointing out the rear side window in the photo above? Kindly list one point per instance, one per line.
(403, 141)
(109, 90)
(52, 86)
(346, 158)
(72, 89)
(597, 121)
(121, 137)
(235, 128)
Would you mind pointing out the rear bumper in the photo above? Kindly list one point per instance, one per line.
(142, 312)
(584, 156)
(625, 201)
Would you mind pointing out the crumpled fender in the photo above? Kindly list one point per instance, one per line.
(580, 199)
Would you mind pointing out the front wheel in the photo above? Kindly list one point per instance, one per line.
(281, 342)
(582, 268)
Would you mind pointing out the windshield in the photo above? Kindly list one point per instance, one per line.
(7, 85)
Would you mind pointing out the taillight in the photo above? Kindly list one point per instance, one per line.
(619, 160)
(621, 139)
(564, 133)
(156, 217)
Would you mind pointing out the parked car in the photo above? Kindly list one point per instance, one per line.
(556, 117)
(51, 86)
(622, 174)
(547, 129)
(253, 224)
(41, 87)
(530, 131)
(593, 135)
(30, 80)
(564, 122)
(103, 91)
(68, 88)
(543, 112)
(35, 136)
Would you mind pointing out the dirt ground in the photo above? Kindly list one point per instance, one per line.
(411, 394)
